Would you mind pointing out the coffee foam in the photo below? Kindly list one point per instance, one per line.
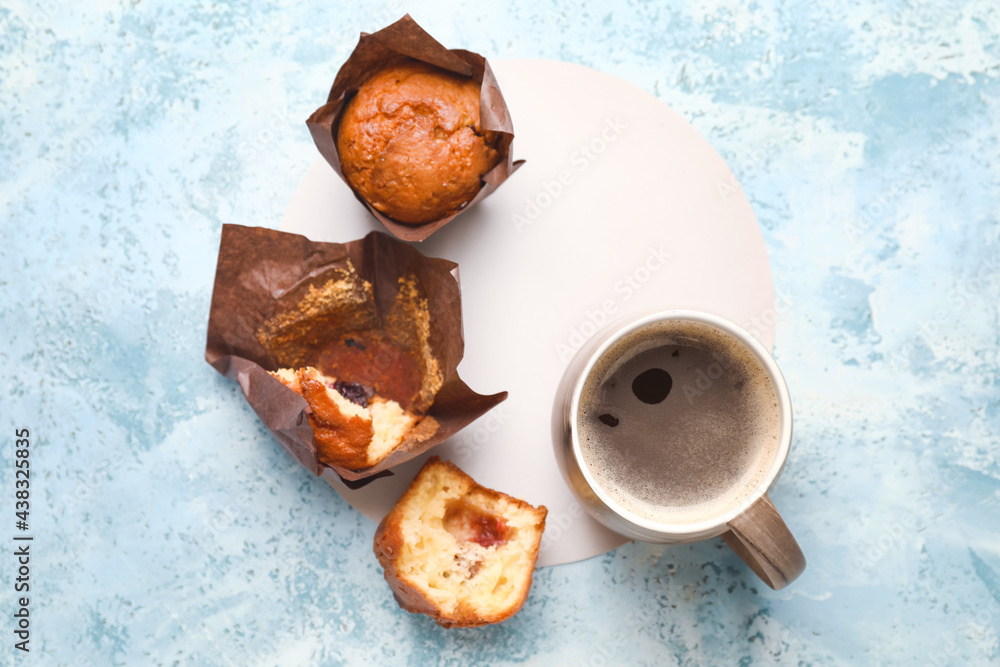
(702, 451)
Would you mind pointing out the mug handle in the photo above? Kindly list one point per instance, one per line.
(760, 537)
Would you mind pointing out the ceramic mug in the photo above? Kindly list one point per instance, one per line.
(746, 519)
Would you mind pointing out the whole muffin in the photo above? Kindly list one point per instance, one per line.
(410, 142)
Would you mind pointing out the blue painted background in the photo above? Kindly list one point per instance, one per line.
(170, 529)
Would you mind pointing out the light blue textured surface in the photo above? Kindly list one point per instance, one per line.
(170, 529)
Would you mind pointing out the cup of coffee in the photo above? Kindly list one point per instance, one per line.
(671, 427)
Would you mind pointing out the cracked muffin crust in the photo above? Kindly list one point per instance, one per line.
(410, 142)
(353, 426)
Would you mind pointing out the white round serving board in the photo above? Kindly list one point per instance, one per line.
(622, 206)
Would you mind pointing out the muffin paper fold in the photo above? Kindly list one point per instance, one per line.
(377, 50)
(262, 273)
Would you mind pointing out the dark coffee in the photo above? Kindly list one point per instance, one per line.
(678, 422)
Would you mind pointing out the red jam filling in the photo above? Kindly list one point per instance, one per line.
(468, 523)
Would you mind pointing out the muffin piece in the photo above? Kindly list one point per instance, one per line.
(353, 427)
(411, 145)
(459, 552)
(315, 310)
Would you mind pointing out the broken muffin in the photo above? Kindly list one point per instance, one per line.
(457, 551)
(373, 312)
(353, 427)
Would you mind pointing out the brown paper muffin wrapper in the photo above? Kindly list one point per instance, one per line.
(263, 275)
(376, 50)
